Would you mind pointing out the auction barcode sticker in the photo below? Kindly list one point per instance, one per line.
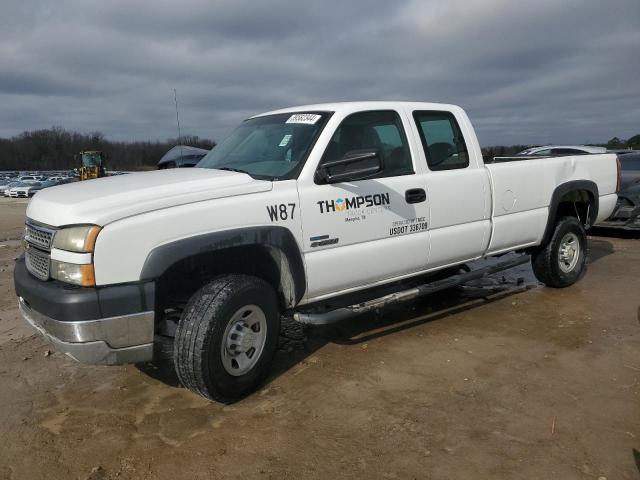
(308, 118)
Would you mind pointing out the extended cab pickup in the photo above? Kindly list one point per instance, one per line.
(317, 212)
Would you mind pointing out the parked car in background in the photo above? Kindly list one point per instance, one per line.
(59, 180)
(26, 190)
(622, 151)
(626, 214)
(181, 156)
(627, 210)
(630, 163)
(23, 190)
(66, 180)
(4, 187)
(549, 150)
(30, 178)
(12, 189)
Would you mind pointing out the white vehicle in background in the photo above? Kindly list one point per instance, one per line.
(319, 212)
(7, 189)
(30, 178)
(24, 190)
(551, 150)
(7, 184)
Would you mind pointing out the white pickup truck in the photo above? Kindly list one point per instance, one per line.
(319, 212)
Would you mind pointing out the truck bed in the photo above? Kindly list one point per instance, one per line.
(522, 190)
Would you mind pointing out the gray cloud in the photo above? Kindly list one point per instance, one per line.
(527, 72)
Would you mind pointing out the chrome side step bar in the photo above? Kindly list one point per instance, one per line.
(332, 316)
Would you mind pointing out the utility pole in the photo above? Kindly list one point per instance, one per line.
(175, 99)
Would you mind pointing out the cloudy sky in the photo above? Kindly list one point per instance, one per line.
(534, 71)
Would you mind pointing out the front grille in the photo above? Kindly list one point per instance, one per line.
(39, 240)
(37, 263)
(38, 236)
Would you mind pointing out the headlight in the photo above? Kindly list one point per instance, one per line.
(76, 239)
(82, 275)
(81, 239)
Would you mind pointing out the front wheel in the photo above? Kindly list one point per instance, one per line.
(227, 337)
(562, 261)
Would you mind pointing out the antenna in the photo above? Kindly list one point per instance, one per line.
(175, 99)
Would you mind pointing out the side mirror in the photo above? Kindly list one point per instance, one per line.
(354, 165)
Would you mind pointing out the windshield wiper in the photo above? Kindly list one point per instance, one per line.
(231, 169)
(239, 170)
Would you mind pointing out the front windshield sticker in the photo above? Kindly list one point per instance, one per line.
(285, 140)
(308, 118)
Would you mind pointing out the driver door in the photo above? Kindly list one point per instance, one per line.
(363, 232)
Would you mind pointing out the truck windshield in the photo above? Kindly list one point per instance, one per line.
(271, 146)
(91, 160)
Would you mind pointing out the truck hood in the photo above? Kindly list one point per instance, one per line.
(104, 200)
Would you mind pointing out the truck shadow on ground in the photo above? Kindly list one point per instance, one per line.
(298, 342)
(599, 248)
(614, 233)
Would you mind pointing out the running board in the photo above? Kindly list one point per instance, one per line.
(332, 316)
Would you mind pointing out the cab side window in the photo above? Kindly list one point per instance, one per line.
(442, 140)
(542, 153)
(381, 131)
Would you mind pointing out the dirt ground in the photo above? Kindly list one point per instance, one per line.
(499, 380)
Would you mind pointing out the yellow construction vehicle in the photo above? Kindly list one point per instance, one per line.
(92, 164)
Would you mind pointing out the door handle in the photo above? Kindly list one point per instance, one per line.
(415, 195)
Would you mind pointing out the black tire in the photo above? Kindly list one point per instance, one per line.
(546, 259)
(198, 344)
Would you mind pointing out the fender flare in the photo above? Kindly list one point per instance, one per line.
(561, 190)
(276, 239)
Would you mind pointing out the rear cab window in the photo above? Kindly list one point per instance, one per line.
(542, 153)
(442, 140)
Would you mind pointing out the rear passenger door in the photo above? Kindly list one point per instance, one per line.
(459, 190)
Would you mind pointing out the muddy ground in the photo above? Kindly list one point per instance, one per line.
(503, 380)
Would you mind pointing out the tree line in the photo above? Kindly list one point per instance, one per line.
(633, 142)
(54, 149)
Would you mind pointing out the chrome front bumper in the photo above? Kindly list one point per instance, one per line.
(107, 341)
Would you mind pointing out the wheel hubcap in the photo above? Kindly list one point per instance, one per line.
(244, 340)
(569, 252)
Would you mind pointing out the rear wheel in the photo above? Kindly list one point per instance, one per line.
(562, 261)
(227, 337)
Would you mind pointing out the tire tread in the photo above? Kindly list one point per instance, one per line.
(543, 259)
(199, 323)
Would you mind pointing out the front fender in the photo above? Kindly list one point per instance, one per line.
(278, 240)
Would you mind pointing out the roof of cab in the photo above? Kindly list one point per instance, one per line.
(356, 106)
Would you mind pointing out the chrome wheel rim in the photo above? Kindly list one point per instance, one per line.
(244, 340)
(569, 252)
